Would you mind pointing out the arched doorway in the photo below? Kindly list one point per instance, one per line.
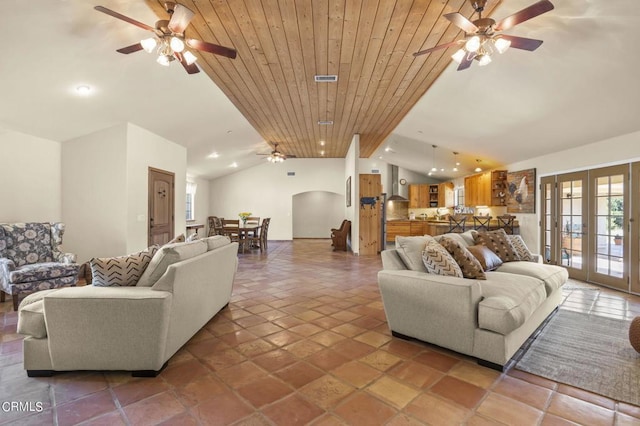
(314, 213)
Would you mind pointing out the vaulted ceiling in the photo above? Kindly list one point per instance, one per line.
(283, 44)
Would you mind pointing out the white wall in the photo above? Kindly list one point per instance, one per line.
(314, 213)
(201, 214)
(105, 186)
(30, 179)
(266, 190)
(621, 149)
(94, 176)
(144, 150)
(351, 169)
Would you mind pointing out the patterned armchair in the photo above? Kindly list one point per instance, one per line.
(31, 260)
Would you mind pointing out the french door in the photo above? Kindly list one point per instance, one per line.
(584, 225)
(634, 228)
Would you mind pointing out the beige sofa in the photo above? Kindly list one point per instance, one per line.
(486, 319)
(136, 328)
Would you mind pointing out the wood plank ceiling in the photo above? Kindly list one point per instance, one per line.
(283, 44)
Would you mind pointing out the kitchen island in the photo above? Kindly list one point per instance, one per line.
(406, 227)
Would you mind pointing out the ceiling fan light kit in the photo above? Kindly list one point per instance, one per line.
(483, 36)
(169, 41)
(276, 156)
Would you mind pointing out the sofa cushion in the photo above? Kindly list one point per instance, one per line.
(498, 242)
(42, 271)
(521, 248)
(470, 266)
(410, 250)
(216, 241)
(121, 270)
(31, 315)
(488, 259)
(553, 276)
(168, 255)
(437, 260)
(508, 301)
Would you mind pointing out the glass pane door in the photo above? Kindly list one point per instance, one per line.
(609, 239)
(635, 229)
(572, 223)
(548, 236)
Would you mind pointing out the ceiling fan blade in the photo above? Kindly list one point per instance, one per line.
(191, 69)
(442, 46)
(180, 19)
(466, 62)
(124, 18)
(523, 43)
(130, 49)
(211, 48)
(461, 22)
(525, 14)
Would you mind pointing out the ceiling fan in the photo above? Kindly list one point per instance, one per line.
(169, 38)
(276, 156)
(483, 36)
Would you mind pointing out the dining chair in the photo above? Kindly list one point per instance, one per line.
(506, 222)
(231, 228)
(264, 229)
(215, 225)
(481, 223)
(457, 223)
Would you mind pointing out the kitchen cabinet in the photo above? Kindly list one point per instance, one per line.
(422, 196)
(398, 227)
(445, 194)
(477, 190)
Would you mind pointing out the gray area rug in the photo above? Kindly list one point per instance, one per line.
(586, 351)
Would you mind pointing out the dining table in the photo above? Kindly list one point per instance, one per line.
(241, 232)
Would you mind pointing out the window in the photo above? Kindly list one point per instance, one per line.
(191, 199)
(458, 197)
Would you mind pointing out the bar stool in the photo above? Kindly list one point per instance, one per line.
(457, 223)
(506, 222)
(481, 223)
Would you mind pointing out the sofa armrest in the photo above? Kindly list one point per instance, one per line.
(107, 328)
(64, 257)
(537, 258)
(6, 266)
(437, 309)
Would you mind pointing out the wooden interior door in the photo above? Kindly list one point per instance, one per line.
(161, 206)
(370, 238)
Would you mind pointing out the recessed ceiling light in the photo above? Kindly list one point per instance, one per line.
(322, 152)
(229, 131)
(83, 89)
(234, 165)
(213, 155)
(321, 143)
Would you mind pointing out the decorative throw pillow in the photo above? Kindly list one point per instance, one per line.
(410, 251)
(488, 259)
(178, 239)
(521, 248)
(438, 261)
(499, 243)
(121, 270)
(469, 265)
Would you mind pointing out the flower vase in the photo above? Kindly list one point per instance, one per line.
(244, 223)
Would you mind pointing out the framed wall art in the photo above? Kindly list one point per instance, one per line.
(521, 191)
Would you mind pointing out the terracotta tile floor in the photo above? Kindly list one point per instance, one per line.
(304, 341)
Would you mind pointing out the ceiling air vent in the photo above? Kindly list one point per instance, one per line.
(325, 122)
(325, 78)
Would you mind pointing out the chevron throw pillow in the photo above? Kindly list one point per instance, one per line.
(521, 248)
(121, 270)
(438, 261)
